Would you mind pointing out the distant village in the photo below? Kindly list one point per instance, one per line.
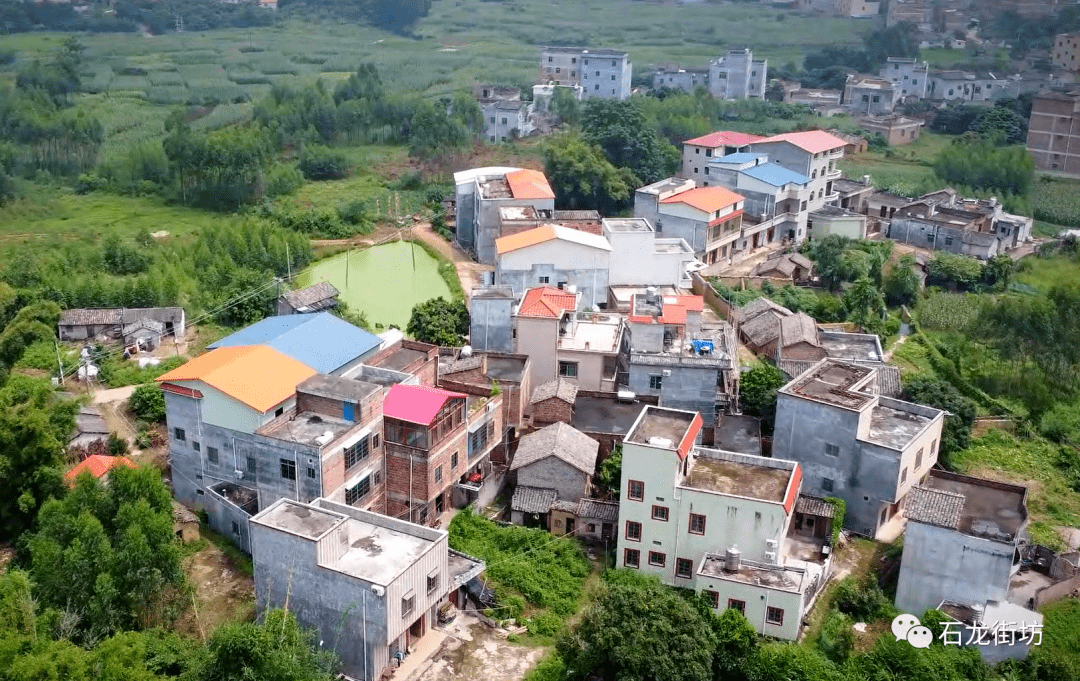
(336, 458)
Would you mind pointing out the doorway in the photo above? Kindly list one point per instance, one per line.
(439, 503)
(571, 525)
(607, 531)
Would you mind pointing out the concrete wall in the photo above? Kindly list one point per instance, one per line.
(487, 224)
(538, 338)
(755, 598)
(491, 324)
(691, 388)
(853, 226)
(554, 473)
(939, 563)
(591, 280)
(228, 519)
(635, 262)
(604, 76)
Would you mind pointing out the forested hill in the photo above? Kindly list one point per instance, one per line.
(160, 16)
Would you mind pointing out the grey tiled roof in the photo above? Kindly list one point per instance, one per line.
(306, 297)
(888, 381)
(809, 505)
(798, 328)
(466, 364)
(532, 499)
(758, 306)
(763, 328)
(569, 506)
(934, 507)
(599, 510)
(561, 441)
(563, 389)
(80, 317)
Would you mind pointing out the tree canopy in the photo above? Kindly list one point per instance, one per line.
(440, 322)
(582, 178)
(622, 131)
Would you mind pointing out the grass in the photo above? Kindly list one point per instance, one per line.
(1045, 273)
(1051, 502)
(1061, 631)
(240, 560)
(904, 169)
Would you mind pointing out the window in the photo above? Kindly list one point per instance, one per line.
(633, 531)
(236, 528)
(310, 473)
(657, 559)
(866, 98)
(706, 170)
(613, 62)
(714, 597)
(877, 98)
(251, 465)
(545, 280)
(631, 558)
(407, 603)
(432, 583)
(549, 60)
(598, 73)
(375, 441)
(697, 523)
(930, 238)
(558, 70)
(903, 475)
(585, 62)
(613, 77)
(656, 381)
(827, 484)
(660, 513)
(684, 567)
(279, 411)
(635, 490)
(358, 491)
(356, 452)
(212, 454)
(568, 369)
(597, 87)
(948, 241)
(774, 615)
(832, 450)
(915, 81)
(493, 119)
(438, 474)
(573, 60)
(918, 459)
(453, 461)
(504, 121)
(736, 604)
(195, 445)
(933, 448)
(288, 469)
(179, 434)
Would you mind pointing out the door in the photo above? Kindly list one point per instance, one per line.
(347, 409)
(570, 525)
(607, 531)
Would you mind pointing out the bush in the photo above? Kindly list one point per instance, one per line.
(282, 180)
(837, 638)
(147, 402)
(354, 212)
(408, 182)
(117, 446)
(863, 600)
(321, 163)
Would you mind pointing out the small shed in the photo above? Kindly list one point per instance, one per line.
(553, 402)
(813, 517)
(185, 523)
(321, 296)
(97, 465)
(144, 332)
(557, 457)
(530, 506)
(794, 267)
(90, 429)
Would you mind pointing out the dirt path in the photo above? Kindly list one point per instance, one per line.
(222, 592)
(469, 271)
(473, 652)
(113, 395)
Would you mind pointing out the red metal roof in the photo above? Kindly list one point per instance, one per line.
(181, 390)
(547, 302)
(674, 310)
(529, 184)
(811, 141)
(690, 437)
(415, 403)
(97, 465)
(793, 489)
(724, 138)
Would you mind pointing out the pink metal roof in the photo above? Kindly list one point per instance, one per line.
(812, 141)
(415, 403)
(724, 138)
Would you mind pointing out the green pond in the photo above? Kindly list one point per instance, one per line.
(384, 282)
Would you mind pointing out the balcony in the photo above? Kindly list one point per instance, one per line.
(832, 198)
(837, 153)
(833, 174)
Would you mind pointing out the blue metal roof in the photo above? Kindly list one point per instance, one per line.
(741, 157)
(322, 341)
(775, 175)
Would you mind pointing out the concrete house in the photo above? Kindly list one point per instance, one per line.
(687, 80)
(976, 227)
(555, 461)
(371, 585)
(479, 373)
(506, 115)
(316, 298)
(706, 218)
(640, 257)
(864, 448)
(699, 151)
(491, 313)
(813, 154)
(717, 522)
(961, 542)
(737, 75)
(1054, 123)
(481, 192)
(909, 76)
(555, 256)
(895, 129)
(673, 356)
(775, 206)
(517, 219)
(1065, 52)
(870, 95)
(600, 72)
(87, 324)
(835, 220)
(435, 439)
(965, 86)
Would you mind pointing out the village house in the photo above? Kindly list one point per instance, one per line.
(870, 95)
(697, 152)
(908, 75)
(825, 103)
(675, 78)
(553, 402)
(517, 219)
(555, 462)
(641, 257)
(91, 432)
(853, 443)
(941, 221)
(791, 267)
(737, 75)
(835, 220)
(684, 363)
(600, 72)
(481, 192)
(506, 115)
(1065, 52)
(964, 86)
(853, 144)
(813, 154)
(1016, 623)
(604, 416)
(482, 372)
(854, 193)
(717, 522)
(555, 256)
(895, 129)
(1054, 123)
(961, 541)
(775, 204)
(370, 584)
(89, 324)
(491, 318)
(316, 298)
(708, 219)
(98, 466)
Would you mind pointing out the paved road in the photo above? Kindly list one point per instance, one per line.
(113, 395)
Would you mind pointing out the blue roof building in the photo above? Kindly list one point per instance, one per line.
(322, 341)
(739, 158)
(775, 174)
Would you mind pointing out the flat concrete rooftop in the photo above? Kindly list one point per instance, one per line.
(671, 184)
(399, 359)
(337, 388)
(517, 213)
(895, 428)
(599, 336)
(627, 225)
(861, 346)
(986, 503)
(604, 415)
(738, 478)
(300, 519)
(304, 427)
(773, 577)
(670, 246)
(505, 368)
(668, 424)
(832, 383)
(496, 188)
(738, 434)
(379, 554)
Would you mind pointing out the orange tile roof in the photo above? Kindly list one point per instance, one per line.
(256, 375)
(546, 302)
(538, 235)
(674, 310)
(529, 184)
(724, 138)
(708, 199)
(97, 465)
(812, 141)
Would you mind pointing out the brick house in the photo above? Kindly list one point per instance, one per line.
(553, 402)
(557, 462)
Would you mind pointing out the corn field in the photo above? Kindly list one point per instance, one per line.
(950, 312)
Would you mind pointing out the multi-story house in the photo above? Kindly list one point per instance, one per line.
(479, 195)
(688, 80)
(852, 443)
(603, 73)
(717, 522)
(706, 218)
(1065, 52)
(370, 584)
(552, 255)
(434, 439)
(674, 357)
(640, 257)
(775, 206)
(737, 75)
(814, 154)
(961, 542)
(975, 227)
(1053, 127)
(698, 152)
(908, 75)
(869, 95)
(965, 86)
(506, 115)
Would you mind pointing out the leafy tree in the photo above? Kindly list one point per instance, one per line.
(862, 599)
(118, 538)
(827, 254)
(864, 303)
(440, 322)
(955, 119)
(34, 426)
(757, 392)
(621, 130)
(320, 163)
(565, 106)
(736, 646)
(34, 323)
(435, 134)
(837, 639)
(147, 402)
(901, 285)
(793, 663)
(954, 271)
(121, 259)
(901, 40)
(466, 110)
(981, 163)
(998, 271)
(1001, 125)
(582, 177)
(933, 392)
(609, 474)
(638, 629)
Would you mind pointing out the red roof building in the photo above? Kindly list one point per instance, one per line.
(97, 465)
(810, 141)
(724, 138)
(416, 403)
(547, 302)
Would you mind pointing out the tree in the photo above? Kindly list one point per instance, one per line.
(864, 303)
(901, 285)
(1001, 125)
(736, 646)
(321, 163)
(582, 178)
(621, 130)
(933, 392)
(565, 106)
(639, 629)
(998, 271)
(827, 255)
(609, 473)
(440, 322)
(955, 271)
(757, 392)
(147, 402)
(466, 110)
(435, 134)
(981, 163)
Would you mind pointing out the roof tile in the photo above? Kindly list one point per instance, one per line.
(546, 302)
(97, 465)
(532, 499)
(415, 403)
(811, 141)
(259, 376)
(545, 233)
(529, 184)
(724, 138)
(934, 507)
(707, 199)
(561, 388)
(561, 441)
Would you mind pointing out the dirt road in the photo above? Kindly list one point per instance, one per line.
(470, 272)
(473, 652)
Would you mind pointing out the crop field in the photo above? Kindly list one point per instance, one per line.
(904, 169)
(1057, 201)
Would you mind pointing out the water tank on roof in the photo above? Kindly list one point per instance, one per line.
(571, 289)
(732, 559)
(626, 396)
(466, 351)
(323, 439)
(663, 442)
(651, 295)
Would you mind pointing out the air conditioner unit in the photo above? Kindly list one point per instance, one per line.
(488, 407)
(771, 543)
(770, 556)
(239, 473)
(667, 372)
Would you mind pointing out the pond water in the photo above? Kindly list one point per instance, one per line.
(384, 282)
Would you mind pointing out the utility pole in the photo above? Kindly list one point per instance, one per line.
(59, 362)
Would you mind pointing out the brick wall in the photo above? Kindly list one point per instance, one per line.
(551, 410)
(319, 405)
(804, 352)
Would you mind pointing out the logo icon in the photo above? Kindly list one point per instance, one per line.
(908, 628)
